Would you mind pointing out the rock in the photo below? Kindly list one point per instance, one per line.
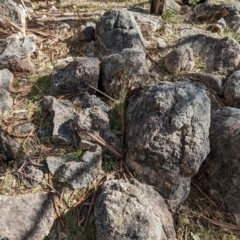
(117, 30)
(167, 128)
(27, 4)
(34, 174)
(79, 173)
(232, 90)
(15, 53)
(167, 29)
(180, 59)
(85, 33)
(212, 81)
(24, 128)
(28, 216)
(75, 77)
(62, 114)
(122, 211)
(9, 148)
(123, 71)
(6, 79)
(6, 101)
(88, 48)
(161, 43)
(221, 56)
(148, 23)
(88, 101)
(222, 166)
(218, 26)
(95, 121)
(13, 13)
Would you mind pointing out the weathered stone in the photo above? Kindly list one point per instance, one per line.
(212, 81)
(127, 70)
(12, 12)
(88, 48)
(167, 128)
(148, 23)
(218, 26)
(6, 101)
(62, 114)
(117, 30)
(34, 174)
(54, 162)
(6, 79)
(161, 43)
(28, 216)
(180, 59)
(131, 210)
(75, 77)
(221, 56)
(8, 146)
(15, 53)
(222, 167)
(167, 29)
(80, 173)
(88, 101)
(232, 90)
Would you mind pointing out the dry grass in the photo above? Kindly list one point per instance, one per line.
(198, 218)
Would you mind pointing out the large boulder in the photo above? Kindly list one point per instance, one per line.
(131, 210)
(117, 30)
(167, 128)
(221, 56)
(222, 166)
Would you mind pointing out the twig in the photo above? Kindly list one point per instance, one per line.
(104, 94)
(203, 193)
(57, 209)
(90, 207)
(26, 10)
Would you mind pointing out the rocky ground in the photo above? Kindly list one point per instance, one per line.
(118, 124)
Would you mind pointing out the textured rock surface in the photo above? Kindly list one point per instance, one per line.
(8, 146)
(29, 216)
(79, 173)
(15, 53)
(117, 30)
(180, 59)
(10, 11)
(221, 56)
(131, 210)
(223, 163)
(232, 90)
(6, 79)
(6, 101)
(62, 114)
(167, 128)
(85, 33)
(75, 77)
(126, 70)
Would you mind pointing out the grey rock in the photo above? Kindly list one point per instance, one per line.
(117, 30)
(161, 43)
(80, 173)
(54, 162)
(148, 23)
(212, 81)
(23, 128)
(6, 79)
(167, 128)
(131, 210)
(88, 48)
(126, 70)
(179, 59)
(218, 26)
(13, 13)
(9, 148)
(75, 77)
(62, 114)
(15, 53)
(221, 56)
(34, 174)
(28, 216)
(167, 29)
(232, 90)
(6, 101)
(88, 101)
(222, 167)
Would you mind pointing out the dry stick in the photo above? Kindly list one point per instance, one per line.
(90, 207)
(26, 10)
(104, 94)
(203, 193)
